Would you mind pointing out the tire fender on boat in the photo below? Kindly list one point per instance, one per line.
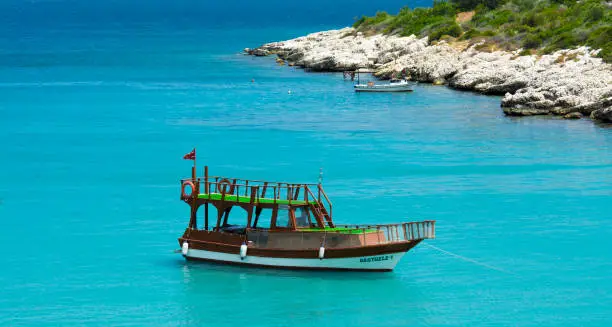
(321, 252)
(185, 248)
(184, 186)
(243, 251)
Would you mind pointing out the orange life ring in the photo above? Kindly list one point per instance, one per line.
(185, 184)
(222, 186)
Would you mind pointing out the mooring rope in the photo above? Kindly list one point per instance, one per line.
(478, 263)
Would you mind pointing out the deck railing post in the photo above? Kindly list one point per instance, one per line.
(433, 226)
(206, 179)
(365, 240)
(252, 195)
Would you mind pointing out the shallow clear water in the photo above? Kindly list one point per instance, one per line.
(93, 125)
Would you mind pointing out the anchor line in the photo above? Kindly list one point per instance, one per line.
(478, 263)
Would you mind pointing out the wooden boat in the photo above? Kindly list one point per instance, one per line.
(285, 225)
(393, 86)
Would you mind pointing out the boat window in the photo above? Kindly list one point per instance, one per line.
(264, 219)
(301, 217)
(236, 216)
(283, 220)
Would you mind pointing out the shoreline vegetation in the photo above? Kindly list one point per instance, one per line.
(532, 26)
(544, 56)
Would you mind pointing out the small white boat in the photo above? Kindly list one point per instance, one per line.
(393, 86)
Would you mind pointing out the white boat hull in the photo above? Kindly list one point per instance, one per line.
(403, 87)
(382, 262)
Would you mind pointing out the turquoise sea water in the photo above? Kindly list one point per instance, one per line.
(94, 120)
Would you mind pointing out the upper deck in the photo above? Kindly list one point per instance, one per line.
(225, 192)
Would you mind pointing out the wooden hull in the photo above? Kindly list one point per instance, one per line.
(223, 249)
(384, 262)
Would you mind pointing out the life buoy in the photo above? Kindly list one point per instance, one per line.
(224, 186)
(184, 186)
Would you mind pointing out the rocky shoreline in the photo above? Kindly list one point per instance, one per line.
(570, 83)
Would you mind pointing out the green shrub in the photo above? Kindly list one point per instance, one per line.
(472, 4)
(532, 42)
(606, 53)
(448, 28)
(565, 40)
(364, 21)
(595, 13)
(359, 21)
(443, 8)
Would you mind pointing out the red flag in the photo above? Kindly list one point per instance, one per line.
(191, 155)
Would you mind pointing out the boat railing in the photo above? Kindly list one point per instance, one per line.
(345, 236)
(251, 191)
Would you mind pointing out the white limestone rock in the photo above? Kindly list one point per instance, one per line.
(560, 83)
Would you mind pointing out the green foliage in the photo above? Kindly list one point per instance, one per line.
(543, 25)
(472, 4)
(421, 20)
(450, 28)
(532, 41)
(364, 21)
(596, 13)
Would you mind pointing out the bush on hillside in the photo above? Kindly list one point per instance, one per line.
(532, 42)
(544, 25)
(450, 28)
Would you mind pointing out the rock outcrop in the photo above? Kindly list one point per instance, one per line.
(561, 83)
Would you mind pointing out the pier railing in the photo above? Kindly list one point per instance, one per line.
(345, 236)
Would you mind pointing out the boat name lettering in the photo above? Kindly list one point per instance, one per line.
(379, 258)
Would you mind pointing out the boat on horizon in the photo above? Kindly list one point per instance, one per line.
(285, 225)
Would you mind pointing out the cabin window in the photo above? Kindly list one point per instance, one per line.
(302, 218)
(263, 218)
(236, 216)
(283, 218)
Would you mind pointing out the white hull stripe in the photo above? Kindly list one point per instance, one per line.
(375, 262)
